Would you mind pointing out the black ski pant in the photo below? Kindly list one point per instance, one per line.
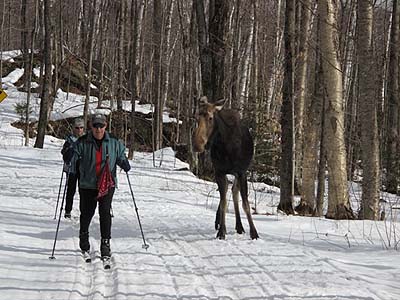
(71, 189)
(88, 204)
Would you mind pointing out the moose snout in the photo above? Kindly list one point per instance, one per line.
(198, 146)
(198, 142)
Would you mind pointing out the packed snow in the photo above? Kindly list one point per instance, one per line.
(295, 257)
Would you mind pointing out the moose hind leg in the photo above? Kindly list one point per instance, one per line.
(246, 206)
(235, 195)
(217, 218)
(222, 187)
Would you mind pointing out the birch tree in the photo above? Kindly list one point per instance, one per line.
(244, 74)
(168, 50)
(29, 82)
(338, 197)
(301, 83)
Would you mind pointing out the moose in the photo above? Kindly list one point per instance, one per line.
(231, 148)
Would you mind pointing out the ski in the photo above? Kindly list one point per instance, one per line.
(86, 256)
(106, 262)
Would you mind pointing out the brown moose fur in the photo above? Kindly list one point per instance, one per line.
(231, 147)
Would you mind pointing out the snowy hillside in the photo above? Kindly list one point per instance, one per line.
(295, 257)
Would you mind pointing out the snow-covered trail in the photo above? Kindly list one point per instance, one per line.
(184, 260)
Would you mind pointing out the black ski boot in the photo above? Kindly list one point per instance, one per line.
(84, 241)
(105, 248)
(105, 253)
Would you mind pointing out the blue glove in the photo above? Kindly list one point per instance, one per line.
(125, 165)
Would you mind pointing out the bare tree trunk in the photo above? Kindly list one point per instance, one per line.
(217, 24)
(255, 111)
(192, 89)
(351, 121)
(319, 208)
(205, 55)
(83, 28)
(234, 68)
(392, 163)
(28, 97)
(338, 199)
(286, 170)
(24, 40)
(188, 45)
(312, 126)
(368, 114)
(56, 63)
(156, 75)
(245, 69)
(103, 25)
(318, 107)
(167, 51)
(90, 61)
(61, 32)
(211, 47)
(9, 27)
(181, 83)
(136, 20)
(301, 85)
(383, 85)
(277, 69)
(46, 86)
(3, 15)
(121, 30)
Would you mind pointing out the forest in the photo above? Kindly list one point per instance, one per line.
(317, 82)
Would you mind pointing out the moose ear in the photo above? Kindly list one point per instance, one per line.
(219, 104)
(203, 100)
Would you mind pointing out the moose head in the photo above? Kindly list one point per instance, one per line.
(205, 122)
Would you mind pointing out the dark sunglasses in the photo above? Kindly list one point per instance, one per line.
(79, 127)
(98, 125)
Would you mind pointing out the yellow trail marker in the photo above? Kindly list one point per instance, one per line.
(3, 95)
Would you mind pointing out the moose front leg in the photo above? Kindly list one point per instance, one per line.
(222, 187)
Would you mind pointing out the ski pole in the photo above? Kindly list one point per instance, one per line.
(59, 218)
(144, 246)
(59, 191)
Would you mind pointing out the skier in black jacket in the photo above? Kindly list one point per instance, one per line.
(71, 167)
